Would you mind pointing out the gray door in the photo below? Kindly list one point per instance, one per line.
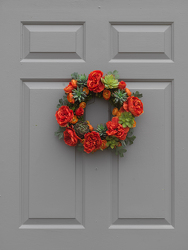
(53, 197)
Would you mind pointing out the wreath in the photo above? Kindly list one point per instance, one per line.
(115, 134)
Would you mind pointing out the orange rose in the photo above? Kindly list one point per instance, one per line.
(79, 111)
(86, 90)
(70, 98)
(135, 105)
(82, 104)
(118, 113)
(92, 142)
(122, 109)
(128, 92)
(122, 85)
(116, 129)
(64, 115)
(122, 132)
(70, 137)
(106, 94)
(112, 125)
(74, 119)
(72, 85)
(103, 145)
(125, 106)
(94, 81)
(114, 111)
(68, 89)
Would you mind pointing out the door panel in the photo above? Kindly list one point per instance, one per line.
(141, 41)
(53, 196)
(43, 200)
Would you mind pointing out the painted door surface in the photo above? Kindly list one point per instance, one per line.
(53, 197)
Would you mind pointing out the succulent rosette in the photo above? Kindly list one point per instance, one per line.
(81, 128)
(110, 82)
(115, 134)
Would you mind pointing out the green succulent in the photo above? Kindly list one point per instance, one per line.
(120, 96)
(112, 141)
(75, 75)
(126, 119)
(82, 80)
(101, 129)
(110, 82)
(81, 128)
(79, 94)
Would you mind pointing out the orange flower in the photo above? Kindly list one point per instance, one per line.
(92, 142)
(88, 122)
(94, 81)
(90, 127)
(73, 83)
(118, 113)
(106, 94)
(116, 129)
(128, 92)
(74, 119)
(134, 124)
(82, 105)
(122, 110)
(68, 89)
(114, 111)
(79, 111)
(135, 106)
(86, 90)
(125, 106)
(70, 137)
(103, 145)
(122, 85)
(64, 115)
(70, 98)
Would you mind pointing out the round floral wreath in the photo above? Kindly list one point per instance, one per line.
(115, 134)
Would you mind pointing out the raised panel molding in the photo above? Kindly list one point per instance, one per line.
(141, 42)
(53, 41)
(142, 186)
(51, 176)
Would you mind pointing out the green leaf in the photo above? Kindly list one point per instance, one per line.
(115, 73)
(130, 140)
(59, 132)
(130, 132)
(80, 147)
(123, 143)
(75, 75)
(120, 151)
(112, 141)
(63, 102)
(137, 94)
